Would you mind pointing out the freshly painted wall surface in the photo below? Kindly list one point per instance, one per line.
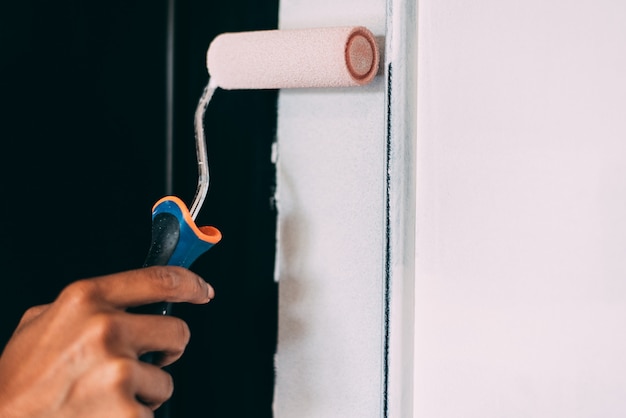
(521, 209)
(330, 197)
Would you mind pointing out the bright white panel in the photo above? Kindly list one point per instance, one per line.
(521, 197)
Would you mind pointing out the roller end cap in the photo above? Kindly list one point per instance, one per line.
(362, 56)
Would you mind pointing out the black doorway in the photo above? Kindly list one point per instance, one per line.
(83, 128)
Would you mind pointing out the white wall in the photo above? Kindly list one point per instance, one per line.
(521, 208)
(520, 283)
(330, 260)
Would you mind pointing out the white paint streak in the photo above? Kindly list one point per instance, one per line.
(330, 234)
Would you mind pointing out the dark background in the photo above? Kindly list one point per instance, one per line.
(82, 161)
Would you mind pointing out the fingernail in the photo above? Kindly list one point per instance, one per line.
(210, 293)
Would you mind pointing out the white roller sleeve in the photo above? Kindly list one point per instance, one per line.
(274, 59)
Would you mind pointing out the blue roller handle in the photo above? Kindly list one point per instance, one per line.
(176, 241)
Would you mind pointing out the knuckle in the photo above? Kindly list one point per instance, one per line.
(104, 329)
(120, 374)
(31, 312)
(168, 279)
(79, 293)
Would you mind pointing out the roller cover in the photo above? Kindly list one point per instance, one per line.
(276, 59)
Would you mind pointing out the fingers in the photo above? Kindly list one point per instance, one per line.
(138, 383)
(143, 286)
(89, 325)
(153, 385)
(166, 335)
(131, 334)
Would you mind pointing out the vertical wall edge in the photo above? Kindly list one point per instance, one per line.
(400, 197)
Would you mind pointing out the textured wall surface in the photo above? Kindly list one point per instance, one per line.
(330, 234)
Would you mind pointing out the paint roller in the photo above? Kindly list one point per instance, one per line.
(295, 58)
(272, 59)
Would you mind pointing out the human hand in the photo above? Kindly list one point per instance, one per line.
(79, 356)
